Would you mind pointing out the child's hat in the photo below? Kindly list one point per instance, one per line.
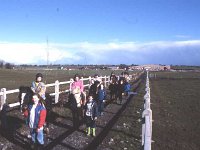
(39, 75)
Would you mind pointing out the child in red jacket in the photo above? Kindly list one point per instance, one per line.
(36, 114)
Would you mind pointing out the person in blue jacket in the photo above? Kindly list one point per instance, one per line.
(36, 114)
(127, 89)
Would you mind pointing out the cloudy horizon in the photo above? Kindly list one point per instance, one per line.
(157, 52)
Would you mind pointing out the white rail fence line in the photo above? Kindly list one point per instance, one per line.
(4, 92)
(147, 118)
(56, 85)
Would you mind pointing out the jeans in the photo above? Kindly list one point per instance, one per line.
(37, 137)
(100, 106)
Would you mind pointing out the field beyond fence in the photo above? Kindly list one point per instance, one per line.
(175, 103)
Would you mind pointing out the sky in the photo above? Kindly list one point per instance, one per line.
(100, 32)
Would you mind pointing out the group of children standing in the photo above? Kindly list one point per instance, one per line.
(119, 86)
(36, 112)
(93, 105)
(88, 108)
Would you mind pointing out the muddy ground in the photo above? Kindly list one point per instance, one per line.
(118, 128)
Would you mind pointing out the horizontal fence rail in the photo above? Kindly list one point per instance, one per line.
(147, 118)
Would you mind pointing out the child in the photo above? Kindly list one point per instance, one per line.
(36, 114)
(113, 87)
(91, 113)
(120, 90)
(94, 89)
(127, 89)
(101, 99)
(77, 83)
(77, 88)
(76, 107)
(38, 86)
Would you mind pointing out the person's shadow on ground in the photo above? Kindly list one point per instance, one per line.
(9, 126)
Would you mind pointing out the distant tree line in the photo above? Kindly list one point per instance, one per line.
(6, 65)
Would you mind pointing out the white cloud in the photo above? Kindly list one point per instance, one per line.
(32, 53)
(163, 52)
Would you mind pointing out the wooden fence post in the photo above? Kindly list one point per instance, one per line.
(56, 91)
(3, 97)
(70, 85)
(90, 81)
(146, 128)
(22, 100)
(105, 81)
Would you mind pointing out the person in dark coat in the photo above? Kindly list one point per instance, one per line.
(76, 111)
(113, 87)
(91, 113)
(120, 90)
(94, 89)
(101, 99)
(3, 117)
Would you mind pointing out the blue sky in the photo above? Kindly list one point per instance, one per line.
(100, 31)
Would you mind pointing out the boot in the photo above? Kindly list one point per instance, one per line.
(93, 132)
(88, 131)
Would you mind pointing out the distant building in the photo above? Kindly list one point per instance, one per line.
(113, 67)
(151, 67)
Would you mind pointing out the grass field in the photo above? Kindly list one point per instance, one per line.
(176, 114)
(12, 79)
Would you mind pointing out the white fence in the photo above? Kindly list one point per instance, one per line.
(147, 118)
(56, 85)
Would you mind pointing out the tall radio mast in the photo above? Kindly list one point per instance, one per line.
(47, 53)
(47, 50)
